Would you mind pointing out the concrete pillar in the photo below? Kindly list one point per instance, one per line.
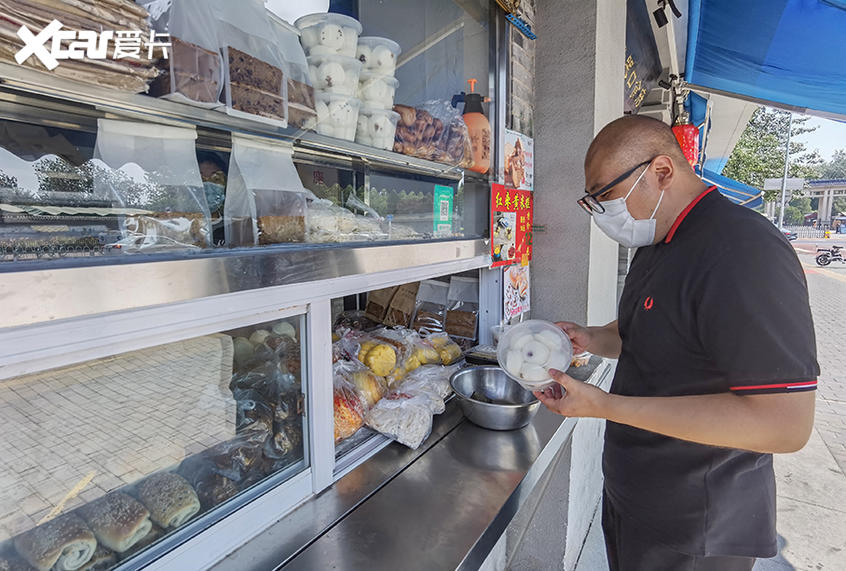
(578, 89)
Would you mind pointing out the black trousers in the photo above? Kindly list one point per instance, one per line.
(628, 551)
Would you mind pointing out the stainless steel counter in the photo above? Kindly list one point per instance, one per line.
(441, 507)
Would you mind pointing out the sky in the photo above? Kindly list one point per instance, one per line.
(829, 136)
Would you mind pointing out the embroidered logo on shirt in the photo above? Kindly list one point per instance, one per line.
(647, 303)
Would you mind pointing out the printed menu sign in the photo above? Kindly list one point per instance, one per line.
(516, 299)
(511, 226)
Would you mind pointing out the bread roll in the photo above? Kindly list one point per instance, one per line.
(62, 544)
(170, 498)
(118, 521)
(102, 560)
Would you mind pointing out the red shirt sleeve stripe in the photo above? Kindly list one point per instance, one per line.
(796, 385)
(685, 212)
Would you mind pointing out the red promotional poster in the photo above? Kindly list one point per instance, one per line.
(511, 226)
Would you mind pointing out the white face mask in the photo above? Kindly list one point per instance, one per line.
(619, 225)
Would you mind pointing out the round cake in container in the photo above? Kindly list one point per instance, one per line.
(376, 127)
(526, 351)
(378, 55)
(329, 33)
(334, 74)
(377, 90)
(337, 115)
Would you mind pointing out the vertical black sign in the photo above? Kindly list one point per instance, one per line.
(643, 66)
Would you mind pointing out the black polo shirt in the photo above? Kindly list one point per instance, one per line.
(720, 305)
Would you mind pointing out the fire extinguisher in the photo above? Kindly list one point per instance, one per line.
(688, 137)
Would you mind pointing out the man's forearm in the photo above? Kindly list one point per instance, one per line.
(605, 341)
(762, 423)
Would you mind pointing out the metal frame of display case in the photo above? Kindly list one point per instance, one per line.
(215, 290)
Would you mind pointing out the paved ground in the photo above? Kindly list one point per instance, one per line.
(812, 482)
(75, 433)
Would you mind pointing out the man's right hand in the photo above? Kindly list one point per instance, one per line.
(579, 336)
(603, 341)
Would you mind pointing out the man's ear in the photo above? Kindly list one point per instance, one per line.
(665, 170)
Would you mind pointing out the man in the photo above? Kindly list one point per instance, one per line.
(717, 361)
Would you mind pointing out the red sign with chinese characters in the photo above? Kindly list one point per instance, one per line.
(511, 226)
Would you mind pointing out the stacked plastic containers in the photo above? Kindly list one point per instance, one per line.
(377, 85)
(330, 42)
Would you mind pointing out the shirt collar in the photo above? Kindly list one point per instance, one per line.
(685, 212)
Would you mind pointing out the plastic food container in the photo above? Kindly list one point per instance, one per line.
(526, 351)
(376, 127)
(377, 90)
(329, 33)
(379, 55)
(337, 115)
(334, 74)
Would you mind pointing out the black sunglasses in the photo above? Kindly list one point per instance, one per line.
(590, 204)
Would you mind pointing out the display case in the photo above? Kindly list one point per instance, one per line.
(169, 273)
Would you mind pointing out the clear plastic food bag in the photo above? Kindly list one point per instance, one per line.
(369, 386)
(265, 199)
(348, 404)
(434, 131)
(299, 90)
(462, 307)
(430, 310)
(153, 168)
(448, 350)
(433, 378)
(193, 72)
(406, 420)
(254, 81)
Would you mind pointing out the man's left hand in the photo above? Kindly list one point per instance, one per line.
(570, 397)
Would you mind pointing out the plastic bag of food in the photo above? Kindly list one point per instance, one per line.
(254, 82)
(462, 307)
(448, 350)
(430, 309)
(299, 91)
(434, 378)
(193, 71)
(434, 131)
(265, 199)
(406, 420)
(328, 222)
(152, 172)
(402, 340)
(369, 386)
(348, 404)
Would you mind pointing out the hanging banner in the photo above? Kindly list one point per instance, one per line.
(519, 160)
(511, 226)
(643, 64)
(516, 299)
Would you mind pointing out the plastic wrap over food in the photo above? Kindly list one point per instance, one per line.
(430, 309)
(349, 406)
(448, 350)
(193, 71)
(154, 168)
(298, 87)
(462, 307)
(406, 420)
(434, 131)
(434, 378)
(254, 80)
(369, 386)
(328, 222)
(265, 199)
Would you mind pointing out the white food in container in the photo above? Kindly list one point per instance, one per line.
(377, 90)
(334, 74)
(379, 55)
(337, 115)
(376, 127)
(528, 350)
(329, 33)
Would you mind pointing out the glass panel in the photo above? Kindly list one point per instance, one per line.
(108, 456)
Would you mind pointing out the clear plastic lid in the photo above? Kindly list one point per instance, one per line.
(334, 73)
(526, 351)
(379, 55)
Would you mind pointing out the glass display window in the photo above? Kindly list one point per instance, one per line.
(112, 455)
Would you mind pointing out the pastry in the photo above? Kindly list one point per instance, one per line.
(170, 498)
(214, 489)
(191, 71)
(461, 323)
(155, 533)
(102, 560)
(249, 99)
(248, 70)
(281, 229)
(61, 544)
(117, 520)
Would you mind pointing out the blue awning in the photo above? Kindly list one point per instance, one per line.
(735, 191)
(789, 52)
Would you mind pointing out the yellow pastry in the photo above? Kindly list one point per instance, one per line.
(381, 359)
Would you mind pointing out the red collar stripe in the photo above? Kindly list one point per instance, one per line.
(685, 212)
(798, 385)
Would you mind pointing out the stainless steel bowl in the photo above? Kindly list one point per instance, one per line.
(512, 407)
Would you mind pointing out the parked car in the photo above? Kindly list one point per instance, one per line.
(789, 235)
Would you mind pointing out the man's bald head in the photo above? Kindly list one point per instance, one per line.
(632, 139)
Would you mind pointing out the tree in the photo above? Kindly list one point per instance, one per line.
(835, 168)
(759, 154)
